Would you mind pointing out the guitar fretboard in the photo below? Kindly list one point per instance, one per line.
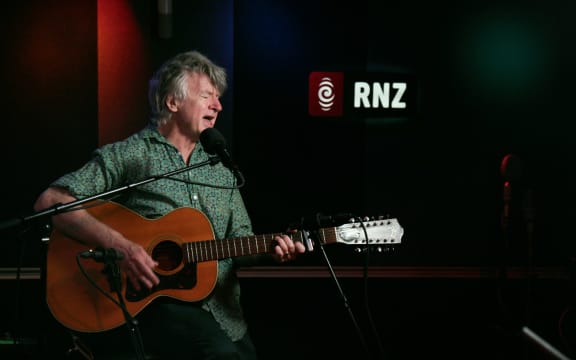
(199, 251)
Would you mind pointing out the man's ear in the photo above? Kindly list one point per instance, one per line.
(172, 103)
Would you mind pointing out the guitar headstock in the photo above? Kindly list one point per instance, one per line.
(379, 232)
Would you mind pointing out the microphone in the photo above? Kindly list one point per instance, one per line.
(511, 167)
(102, 255)
(215, 144)
(511, 171)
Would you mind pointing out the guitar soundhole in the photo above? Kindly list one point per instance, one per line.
(168, 254)
(172, 274)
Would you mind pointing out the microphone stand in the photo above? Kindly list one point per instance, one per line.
(59, 208)
(341, 291)
(115, 280)
(111, 266)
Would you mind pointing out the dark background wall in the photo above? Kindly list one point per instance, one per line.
(493, 78)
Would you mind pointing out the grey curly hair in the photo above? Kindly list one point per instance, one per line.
(170, 79)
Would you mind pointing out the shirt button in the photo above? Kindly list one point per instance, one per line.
(195, 197)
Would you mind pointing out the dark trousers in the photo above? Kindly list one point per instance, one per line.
(171, 331)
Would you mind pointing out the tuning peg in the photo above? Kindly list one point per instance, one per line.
(375, 249)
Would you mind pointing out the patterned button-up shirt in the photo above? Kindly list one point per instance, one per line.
(146, 154)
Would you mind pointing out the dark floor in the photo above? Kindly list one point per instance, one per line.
(307, 318)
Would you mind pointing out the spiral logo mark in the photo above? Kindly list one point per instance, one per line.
(325, 92)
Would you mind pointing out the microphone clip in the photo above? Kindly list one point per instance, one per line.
(103, 255)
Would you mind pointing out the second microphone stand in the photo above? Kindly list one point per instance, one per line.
(340, 290)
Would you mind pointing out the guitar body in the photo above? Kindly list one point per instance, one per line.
(77, 304)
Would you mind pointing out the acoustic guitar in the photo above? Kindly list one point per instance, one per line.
(182, 242)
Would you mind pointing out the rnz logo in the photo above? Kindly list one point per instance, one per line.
(363, 94)
(325, 94)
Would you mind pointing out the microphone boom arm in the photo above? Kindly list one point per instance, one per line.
(60, 208)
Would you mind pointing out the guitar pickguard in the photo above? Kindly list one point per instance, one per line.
(185, 279)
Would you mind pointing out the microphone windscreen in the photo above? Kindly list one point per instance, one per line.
(511, 167)
(212, 140)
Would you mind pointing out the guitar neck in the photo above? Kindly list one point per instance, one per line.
(377, 232)
(209, 250)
